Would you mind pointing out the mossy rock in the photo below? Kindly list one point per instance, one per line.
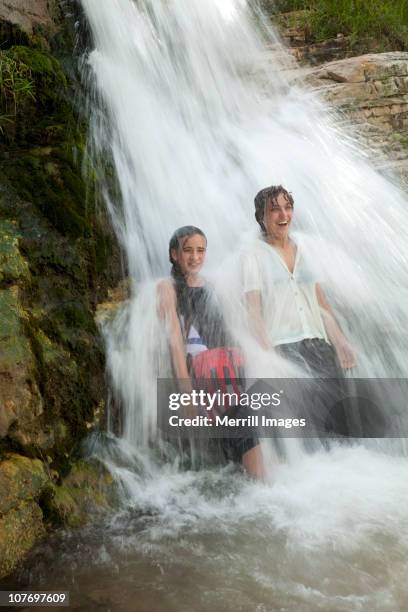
(20, 400)
(85, 494)
(20, 530)
(21, 479)
(58, 302)
(47, 74)
(56, 189)
(15, 347)
(58, 250)
(13, 266)
(33, 97)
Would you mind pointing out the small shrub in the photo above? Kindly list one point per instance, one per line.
(16, 86)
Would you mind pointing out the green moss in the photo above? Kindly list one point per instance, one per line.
(50, 352)
(56, 249)
(54, 189)
(20, 530)
(46, 70)
(85, 493)
(34, 104)
(282, 6)
(15, 347)
(21, 478)
(13, 266)
(403, 141)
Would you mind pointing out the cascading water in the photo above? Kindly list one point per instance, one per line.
(195, 122)
(194, 128)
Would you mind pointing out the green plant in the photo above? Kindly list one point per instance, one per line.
(382, 19)
(282, 6)
(5, 120)
(16, 85)
(383, 22)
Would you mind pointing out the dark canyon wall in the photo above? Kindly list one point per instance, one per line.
(58, 257)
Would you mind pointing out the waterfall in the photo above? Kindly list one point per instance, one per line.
(192, 112)
(195, 117)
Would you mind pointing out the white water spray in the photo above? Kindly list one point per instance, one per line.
(194, 128)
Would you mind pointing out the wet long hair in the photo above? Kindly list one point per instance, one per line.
(269, 194)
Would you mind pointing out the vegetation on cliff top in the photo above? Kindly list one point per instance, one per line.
(384, 22)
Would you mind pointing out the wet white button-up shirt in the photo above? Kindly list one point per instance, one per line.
(289, 301)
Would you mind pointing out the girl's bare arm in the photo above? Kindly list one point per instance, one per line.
(168, 313)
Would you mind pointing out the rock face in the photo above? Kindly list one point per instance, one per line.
(372, 92)
(372, 87)
(58, 258)
(56, 251)
(27, 14)
(21, 520)
(20, 400)
(28, 492)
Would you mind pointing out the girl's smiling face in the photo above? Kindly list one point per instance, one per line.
(190, 255)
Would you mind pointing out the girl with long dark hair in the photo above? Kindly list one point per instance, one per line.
(198, 339)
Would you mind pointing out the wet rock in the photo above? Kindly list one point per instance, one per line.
(84, 495)
(22, 481)
(20, 530)
(117, 298)
(371, 91)
(21, 478)
(20, 400)
(58, 256)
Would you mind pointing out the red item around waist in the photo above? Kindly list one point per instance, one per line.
(219, 369)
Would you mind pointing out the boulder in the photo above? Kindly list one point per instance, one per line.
(20, 530)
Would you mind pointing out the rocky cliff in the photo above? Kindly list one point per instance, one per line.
(369, 91)
(57, 259)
